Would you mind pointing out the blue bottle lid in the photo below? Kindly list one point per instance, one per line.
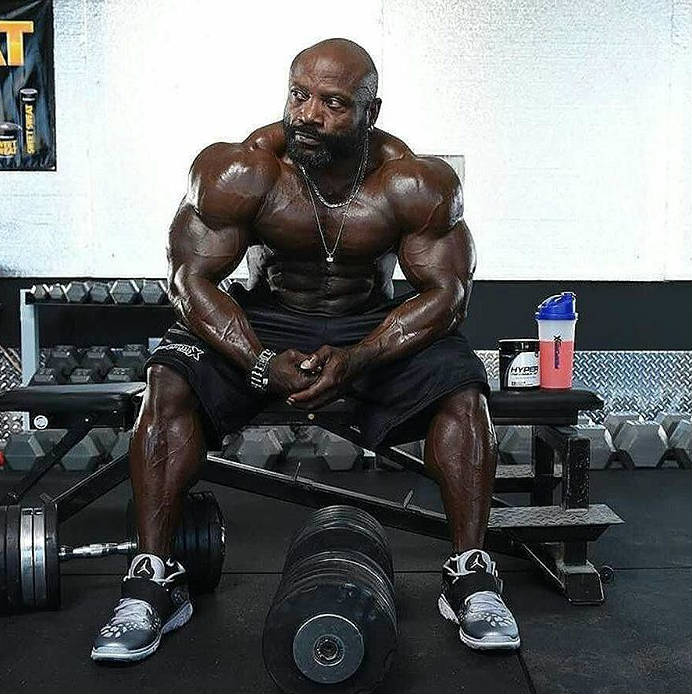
(558, 307)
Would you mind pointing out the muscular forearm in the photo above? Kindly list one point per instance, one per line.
(410, 327)
(217, 319)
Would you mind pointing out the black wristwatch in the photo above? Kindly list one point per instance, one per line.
(258, 377)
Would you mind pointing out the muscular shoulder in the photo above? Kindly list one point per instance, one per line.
(424, 193)
(229, 181)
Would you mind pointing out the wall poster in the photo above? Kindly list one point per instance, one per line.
(27, 93)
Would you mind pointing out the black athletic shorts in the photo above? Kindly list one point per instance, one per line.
(397, 398)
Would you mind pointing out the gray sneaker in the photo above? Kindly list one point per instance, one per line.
(470, 597)
(154, 601)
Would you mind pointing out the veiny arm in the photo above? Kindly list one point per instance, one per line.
(437, 256)
(208, 239)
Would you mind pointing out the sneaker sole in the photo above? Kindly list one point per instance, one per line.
(178, 619)
(448, 613)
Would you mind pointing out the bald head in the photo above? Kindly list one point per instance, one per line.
(354, 60)
(332, 103)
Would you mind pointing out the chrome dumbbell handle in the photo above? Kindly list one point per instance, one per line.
(98, 549)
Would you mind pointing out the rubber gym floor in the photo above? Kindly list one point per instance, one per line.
(639, 640)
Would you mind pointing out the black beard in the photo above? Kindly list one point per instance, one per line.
(330, 149)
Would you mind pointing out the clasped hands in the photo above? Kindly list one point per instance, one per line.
(309, 381)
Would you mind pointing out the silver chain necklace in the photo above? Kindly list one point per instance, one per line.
(360, 175)
(326, 203)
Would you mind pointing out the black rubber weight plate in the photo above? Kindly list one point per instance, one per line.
(3, 568)
(201, 526)
(350, 515)
(14, 584)
(217, 548)
(52, 562)
(321, 596)
(353, 566)
(340, 537)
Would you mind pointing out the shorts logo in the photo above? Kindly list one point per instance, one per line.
(187, 350)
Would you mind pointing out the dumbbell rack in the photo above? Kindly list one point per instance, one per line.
(29, 312)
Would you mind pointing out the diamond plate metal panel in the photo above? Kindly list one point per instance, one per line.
(491, 361)
(10, 368)
(549, 516)
(10, 377)
(647, 382)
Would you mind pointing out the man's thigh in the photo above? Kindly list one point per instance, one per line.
(400, 398)
(227, 402)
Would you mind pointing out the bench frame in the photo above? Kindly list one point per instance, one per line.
(554, 537)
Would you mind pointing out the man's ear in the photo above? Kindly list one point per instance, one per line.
(374, 112)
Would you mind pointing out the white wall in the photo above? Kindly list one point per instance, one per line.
(574, 120)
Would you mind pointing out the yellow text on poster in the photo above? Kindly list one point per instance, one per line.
(15, 41)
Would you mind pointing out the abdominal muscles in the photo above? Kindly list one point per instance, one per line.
(315, 286)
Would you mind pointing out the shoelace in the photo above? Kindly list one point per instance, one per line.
(131, 610)
(171, 577)
(488, 602)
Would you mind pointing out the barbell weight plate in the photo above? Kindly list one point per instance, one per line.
(340, 536)
(198, 542)
(200, 517)
(12, 563)
(341, 512)
(40, 588)
(356, 565)
(3, 567)
(217, 540)
(341, 527)
(52, 563)
(206, 545)
(217, 543)
(206, 512)
(185, 539)
(26, 551)
(287, 652)
(328, 648)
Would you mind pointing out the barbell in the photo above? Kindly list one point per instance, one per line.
(30, 551)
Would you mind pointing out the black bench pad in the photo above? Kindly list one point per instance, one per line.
(532, 406)
(90, 397)
(507, 403)
(551, 407)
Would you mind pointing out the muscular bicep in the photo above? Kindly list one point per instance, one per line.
(436, 250)
(438, 258)
(202, 248)
(211, 231)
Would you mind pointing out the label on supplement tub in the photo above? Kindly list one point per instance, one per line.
(522, 371)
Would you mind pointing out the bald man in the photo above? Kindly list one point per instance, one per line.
(322, 205)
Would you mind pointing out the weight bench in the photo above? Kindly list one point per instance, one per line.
(554, 537)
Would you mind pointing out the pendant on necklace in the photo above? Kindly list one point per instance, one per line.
(330, 258)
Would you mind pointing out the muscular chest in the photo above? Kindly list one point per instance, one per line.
(288, 224)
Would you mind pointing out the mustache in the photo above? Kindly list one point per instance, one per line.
(308, 132)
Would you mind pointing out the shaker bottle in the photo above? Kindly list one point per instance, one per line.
(557, 320)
